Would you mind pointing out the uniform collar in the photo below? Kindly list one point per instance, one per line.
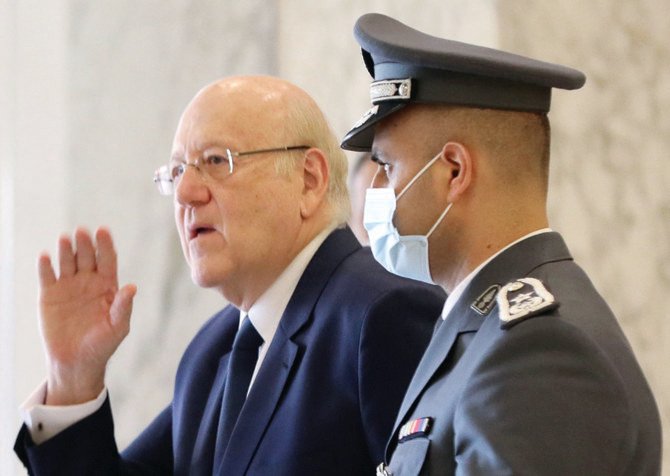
(455, 295)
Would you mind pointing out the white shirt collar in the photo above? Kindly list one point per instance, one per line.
(455, 295)
(266, 312)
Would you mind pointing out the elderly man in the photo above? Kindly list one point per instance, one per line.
(529, 372)
(303, 373)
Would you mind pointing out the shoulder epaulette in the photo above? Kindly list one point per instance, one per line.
(523, 298)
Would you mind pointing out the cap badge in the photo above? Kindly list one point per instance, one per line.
(521, 299)
(370, 112)
(392, 89)
(415, 428)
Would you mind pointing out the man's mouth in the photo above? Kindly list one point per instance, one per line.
(196, 231)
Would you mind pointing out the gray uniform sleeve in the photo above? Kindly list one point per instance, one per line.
(542, 401)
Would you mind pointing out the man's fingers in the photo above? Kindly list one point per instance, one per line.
(85, 256)
(66, 260)
(45, 270)
(106, 254)
(122, 308)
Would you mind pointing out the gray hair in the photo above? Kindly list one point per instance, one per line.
(306, 125)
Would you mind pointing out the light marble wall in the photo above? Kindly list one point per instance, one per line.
(611, 168)
(32, 81)
(93, 91)
(7, 325)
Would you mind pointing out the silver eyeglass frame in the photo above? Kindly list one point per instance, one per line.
(165, 183)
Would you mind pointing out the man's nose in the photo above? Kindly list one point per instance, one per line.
(379, 179)
(192, 187)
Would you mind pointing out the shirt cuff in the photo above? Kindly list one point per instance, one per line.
(46, 421)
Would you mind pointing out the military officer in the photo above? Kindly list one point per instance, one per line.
(528, 371)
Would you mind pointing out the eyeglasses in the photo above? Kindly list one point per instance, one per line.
(215, 167)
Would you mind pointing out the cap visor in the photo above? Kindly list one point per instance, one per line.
(360, 137)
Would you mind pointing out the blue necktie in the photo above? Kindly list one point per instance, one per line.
(240, 369)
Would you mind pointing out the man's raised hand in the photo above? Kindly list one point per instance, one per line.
(84, 315)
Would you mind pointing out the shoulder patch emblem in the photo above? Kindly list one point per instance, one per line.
(521, 299)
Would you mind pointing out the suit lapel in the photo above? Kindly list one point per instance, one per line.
(203, 450)
(272, 378)
(436, 353)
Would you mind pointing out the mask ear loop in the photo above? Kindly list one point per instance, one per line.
(419, 174)
(439, 220)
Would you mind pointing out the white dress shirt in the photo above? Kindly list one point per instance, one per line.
(46, 421)
(266, 312)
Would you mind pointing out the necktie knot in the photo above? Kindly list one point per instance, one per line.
(247, 337)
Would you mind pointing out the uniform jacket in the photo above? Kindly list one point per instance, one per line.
(556, 393)
(324, 399)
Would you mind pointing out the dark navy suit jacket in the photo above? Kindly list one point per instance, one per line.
(323, 402)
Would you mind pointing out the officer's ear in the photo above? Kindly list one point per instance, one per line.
(458, 170)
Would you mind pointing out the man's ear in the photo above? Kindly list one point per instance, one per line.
(459, 171)
(316, 175)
